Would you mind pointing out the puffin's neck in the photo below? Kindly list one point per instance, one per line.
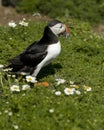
(49, 37)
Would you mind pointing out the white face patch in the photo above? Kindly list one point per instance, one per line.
(58, 28)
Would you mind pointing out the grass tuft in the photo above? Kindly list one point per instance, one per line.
(73, 98)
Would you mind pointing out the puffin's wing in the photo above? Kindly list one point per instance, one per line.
(34, 54)
(31, 57)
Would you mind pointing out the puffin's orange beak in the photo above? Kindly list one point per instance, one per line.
(67, 32)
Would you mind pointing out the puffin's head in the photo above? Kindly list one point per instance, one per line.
(58, 28)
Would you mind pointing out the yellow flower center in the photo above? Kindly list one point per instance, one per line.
(30, 79)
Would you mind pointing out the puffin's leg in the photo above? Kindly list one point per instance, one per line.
(36, 71)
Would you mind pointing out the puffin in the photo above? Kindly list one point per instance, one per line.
(40, 53)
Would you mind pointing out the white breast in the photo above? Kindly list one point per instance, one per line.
(53, 51)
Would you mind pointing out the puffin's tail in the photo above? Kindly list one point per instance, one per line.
(16, 66)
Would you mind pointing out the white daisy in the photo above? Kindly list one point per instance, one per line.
(7, 69)
(15, 88)
(25, 87)
(31, 79)
(60, 81)
(58, 93)
(10, 113)
(6, 111)
(13, 76)
(69, 91)
(78, 92)
(36, 14)
(23, 73)
(12, 24)
(23, 23)
(16, 127)
(51, 110)
(71, 82)
(87, 88)
(1, 66)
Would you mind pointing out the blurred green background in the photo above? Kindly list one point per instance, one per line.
(90, 10)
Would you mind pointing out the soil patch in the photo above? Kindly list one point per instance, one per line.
(8, 13)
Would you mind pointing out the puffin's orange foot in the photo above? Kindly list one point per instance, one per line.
(45, 84)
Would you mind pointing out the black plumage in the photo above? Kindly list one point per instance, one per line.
(33, 55)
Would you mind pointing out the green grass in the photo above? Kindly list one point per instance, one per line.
(81, 61)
